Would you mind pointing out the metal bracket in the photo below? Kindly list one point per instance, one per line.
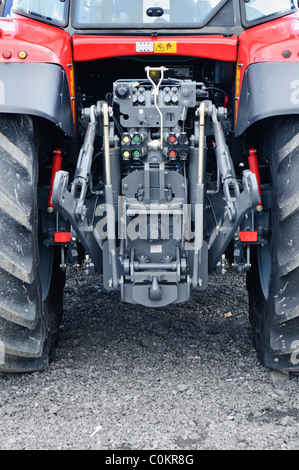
(244, 202)
(80, 183)
(64, 201)
(72, 203)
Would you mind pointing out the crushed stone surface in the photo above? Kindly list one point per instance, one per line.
(126, 377)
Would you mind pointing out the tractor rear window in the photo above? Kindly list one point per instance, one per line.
(53, 11)
(145, 13)
(260, 10)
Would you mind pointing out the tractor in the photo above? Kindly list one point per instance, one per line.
(150, 143)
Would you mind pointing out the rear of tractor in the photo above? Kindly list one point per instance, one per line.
(150, 145)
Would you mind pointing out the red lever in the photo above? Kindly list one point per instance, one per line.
(254, 167)
(56, 166)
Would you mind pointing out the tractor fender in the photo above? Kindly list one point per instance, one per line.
(38, 89)
(268, 89)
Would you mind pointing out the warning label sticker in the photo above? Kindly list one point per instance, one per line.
(159, 47)
(165, 47)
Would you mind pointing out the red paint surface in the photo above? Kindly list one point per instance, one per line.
(266, 43)
(87, 47)
(42, 43)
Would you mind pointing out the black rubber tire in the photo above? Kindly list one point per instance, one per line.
(273, 281)
(29, 315)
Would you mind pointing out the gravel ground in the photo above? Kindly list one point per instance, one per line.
(125, 377)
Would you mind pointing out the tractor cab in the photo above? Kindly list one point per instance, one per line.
(151, 14)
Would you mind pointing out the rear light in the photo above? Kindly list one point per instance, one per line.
(7, 54)
(247, 237)
(286, 54)
(62, 237)
(22, 55)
